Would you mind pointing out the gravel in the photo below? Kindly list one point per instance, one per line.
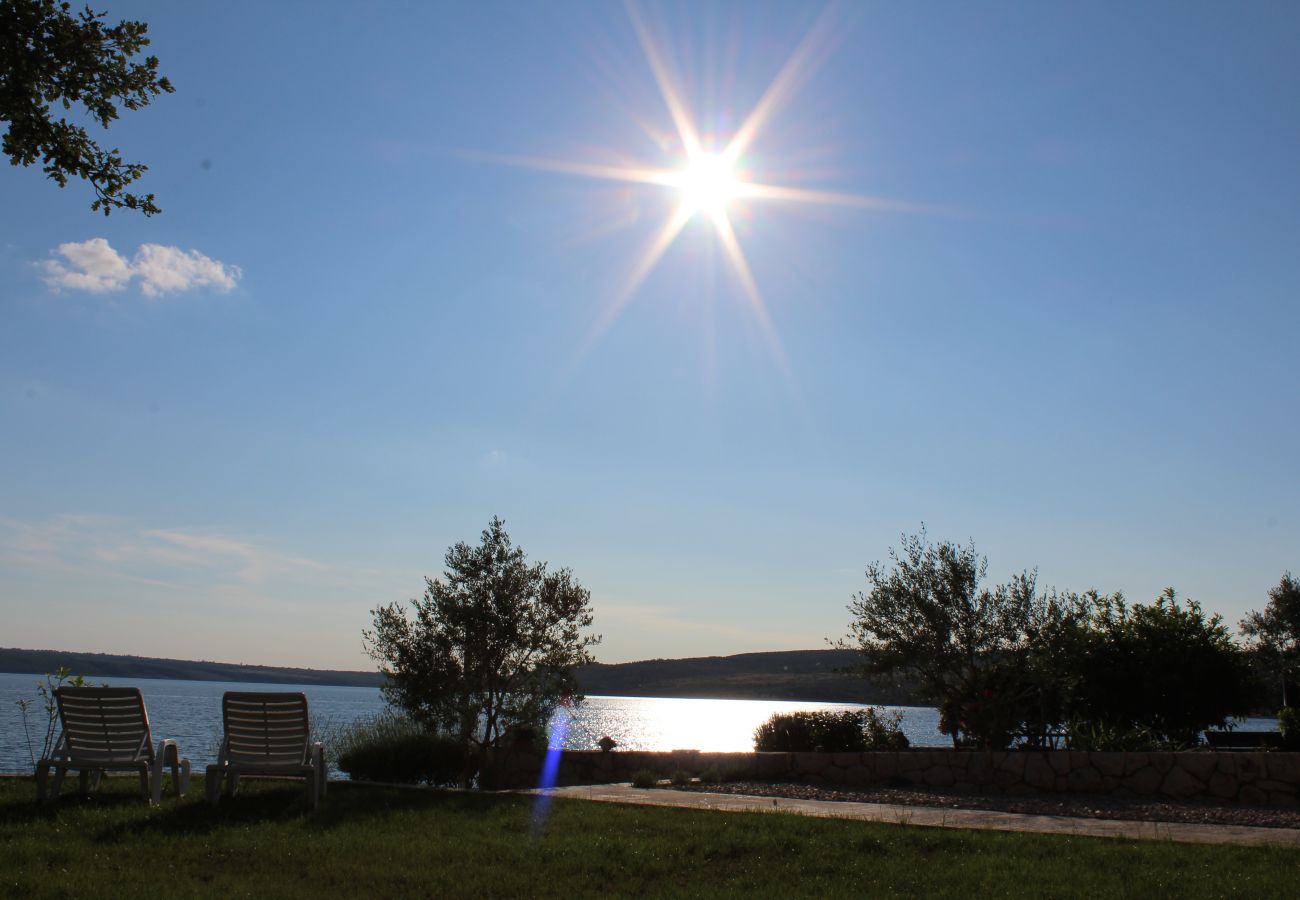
(1142, 809)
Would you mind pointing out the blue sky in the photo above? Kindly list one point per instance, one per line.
(357, 331)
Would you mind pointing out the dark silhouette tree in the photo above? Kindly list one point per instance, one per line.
(927, 618)
(1275, 635)
(491, 646)
(48, 55)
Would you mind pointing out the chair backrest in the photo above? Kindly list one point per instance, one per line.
(105, 724)
(269, 729)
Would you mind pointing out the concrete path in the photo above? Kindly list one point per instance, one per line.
(933, 816)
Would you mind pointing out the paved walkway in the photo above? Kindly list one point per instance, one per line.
(935, 817)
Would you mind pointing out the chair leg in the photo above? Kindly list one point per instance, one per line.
(155, 782)
(42, 781)
(144, 783)
(83, 781)
(212, 783)
(60, 773)
(232, 784)
(181, 777)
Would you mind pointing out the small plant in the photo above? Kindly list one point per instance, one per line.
(681, 778)
(50, 705)
(1288, 722)
(711, 775)
(607, 743)
(644, 778)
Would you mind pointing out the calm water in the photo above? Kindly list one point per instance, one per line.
(190, 713)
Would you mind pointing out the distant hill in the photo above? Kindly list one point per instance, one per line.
(780, 675)
(784, 675)
(105, 665)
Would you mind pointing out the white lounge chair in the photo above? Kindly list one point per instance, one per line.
(267, 734)
(108, 728)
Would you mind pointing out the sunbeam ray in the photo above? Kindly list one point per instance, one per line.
(676, 109)
(791, 77)
(740, 265)
(663, 239)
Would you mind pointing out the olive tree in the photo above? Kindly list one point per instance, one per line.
(926, 617)
(492, 645)
(50, 55)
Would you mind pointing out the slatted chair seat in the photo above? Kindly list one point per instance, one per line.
(107, 728)
(267, 733)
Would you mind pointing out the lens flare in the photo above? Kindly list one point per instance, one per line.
(708, 183)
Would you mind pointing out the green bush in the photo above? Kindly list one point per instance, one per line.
(681, 777)
(644, 778)
(883, 730)
(393, 748)
(1288, 722)
(711, 775)
(831, 732)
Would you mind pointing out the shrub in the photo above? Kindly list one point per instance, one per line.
(644, 778)
(883, 730)
(820, 730)
(1288, 722)
(607, 743)
(394, 748)
(681, 777)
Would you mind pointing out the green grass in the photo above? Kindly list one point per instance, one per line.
(381, 842)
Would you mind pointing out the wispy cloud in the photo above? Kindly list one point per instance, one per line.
(94, 266)
(88, 543)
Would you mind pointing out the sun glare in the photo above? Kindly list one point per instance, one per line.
(708, 184)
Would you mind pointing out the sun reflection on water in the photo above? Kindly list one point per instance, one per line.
(711, 726)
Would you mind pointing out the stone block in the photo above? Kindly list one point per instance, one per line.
(859, 775)
(1039, 773)
(1134, 763)
(772, 765)
(911, 760)
(1108, 764)
(1060, 761)
(1162, 762)
(1283, 799)
(980, 769)
(1199, 765)
(1014, 762)
(1084, 780)
(1144, 781)
(1226, 763)
(1275, 787)
(1179, 783)
(845, 759)
(1005, 778)
(938, 776)
(1222, 786)
(881, 765)
(1251, 766)
(1284, 767)
(1249, 795)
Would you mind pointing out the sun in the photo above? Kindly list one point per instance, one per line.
(708, 184)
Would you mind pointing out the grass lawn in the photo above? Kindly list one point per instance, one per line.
(377, 843)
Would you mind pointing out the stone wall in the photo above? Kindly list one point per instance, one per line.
(1250, 778)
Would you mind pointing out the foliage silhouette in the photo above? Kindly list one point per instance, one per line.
(49, 55)
(491, 646)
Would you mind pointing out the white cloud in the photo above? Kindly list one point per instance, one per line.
(96, 267)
